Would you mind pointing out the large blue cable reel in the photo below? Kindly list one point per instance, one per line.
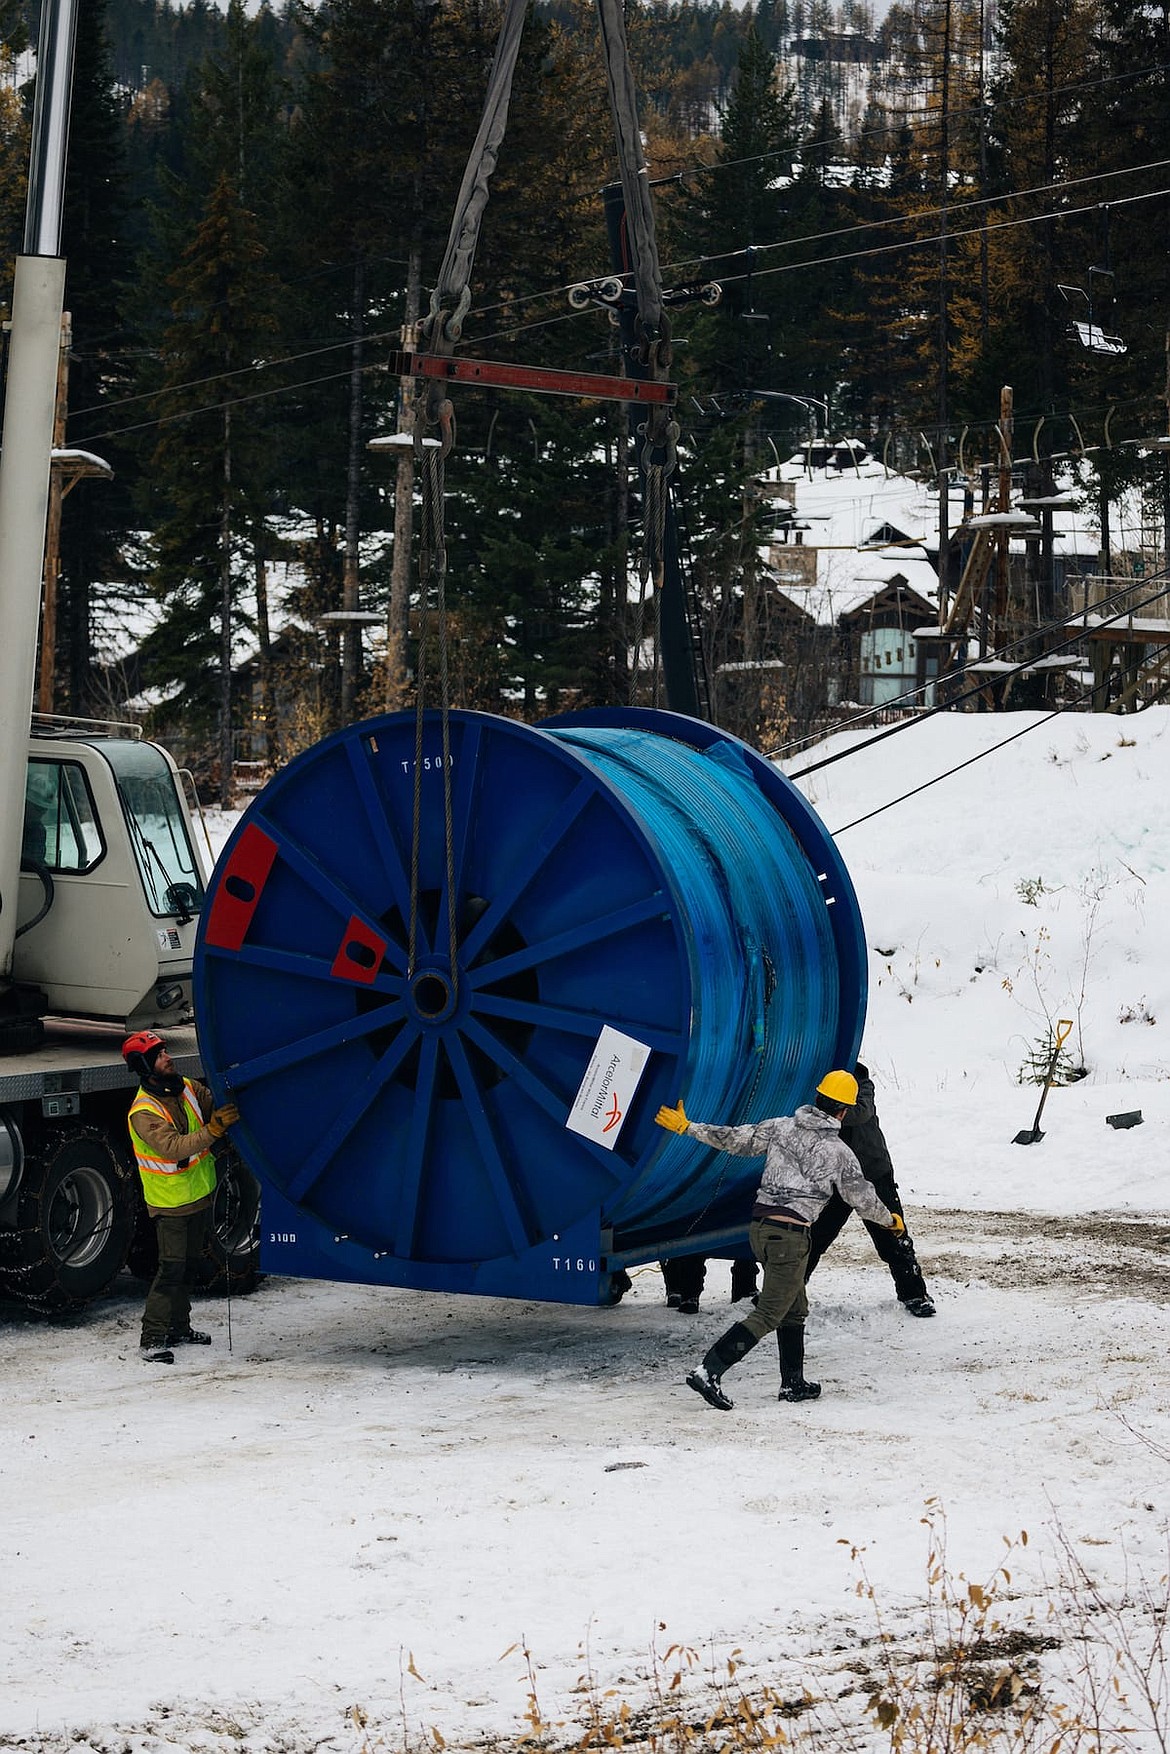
(644, 909)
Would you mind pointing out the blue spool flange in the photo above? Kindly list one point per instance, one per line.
(636, 870)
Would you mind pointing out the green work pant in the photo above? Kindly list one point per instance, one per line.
(182, 1237)
(783, 1254)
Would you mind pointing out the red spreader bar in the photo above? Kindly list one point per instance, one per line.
(526, 377)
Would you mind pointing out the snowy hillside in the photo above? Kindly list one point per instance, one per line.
(1029, 886)
(366, 1520)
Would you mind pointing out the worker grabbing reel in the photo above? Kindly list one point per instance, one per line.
(805, 1164)
(173, 1124)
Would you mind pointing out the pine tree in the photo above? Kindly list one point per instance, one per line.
(1127, 125)
(728, 223)
(14, 138)
(1038, 113)
(211, 473)
(97, 516)
(421, 77)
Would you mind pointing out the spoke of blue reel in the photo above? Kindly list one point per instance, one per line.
(413, 1161)
(551, 1101)
(360, 758)
(367, 1093)
(294, 1053)
(667, 1041)
(564, 943)
(525, 869)
(307, 967)
(339, 901)
(505, 1189)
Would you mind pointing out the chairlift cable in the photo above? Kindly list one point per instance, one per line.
(947, 774)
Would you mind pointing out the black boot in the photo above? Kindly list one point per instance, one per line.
(728, 1350)
(909, 1285)
(793, 1386)
(743, 1280)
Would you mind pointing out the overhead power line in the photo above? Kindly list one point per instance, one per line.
(899, 246)
(950, 771)
(922, 215)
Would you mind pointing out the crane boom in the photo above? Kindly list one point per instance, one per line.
(26, 448)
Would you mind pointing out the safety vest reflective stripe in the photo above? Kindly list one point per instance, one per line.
(149, 1163)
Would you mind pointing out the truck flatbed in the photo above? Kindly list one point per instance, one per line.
(78, 1056)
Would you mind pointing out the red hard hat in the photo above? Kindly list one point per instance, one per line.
(141, 1042)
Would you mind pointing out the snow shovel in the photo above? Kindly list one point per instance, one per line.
(1033, 1135)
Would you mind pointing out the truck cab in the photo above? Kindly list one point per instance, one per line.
(111, 881)
(110, 890)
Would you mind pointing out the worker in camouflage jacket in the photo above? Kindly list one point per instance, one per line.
(863, 1135)
(805, 1165)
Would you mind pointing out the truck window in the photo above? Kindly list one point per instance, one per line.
(60, 823)
(158, 828)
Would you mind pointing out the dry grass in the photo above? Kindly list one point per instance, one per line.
(974, 1670)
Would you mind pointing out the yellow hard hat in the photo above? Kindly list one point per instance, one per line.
(839, 1087)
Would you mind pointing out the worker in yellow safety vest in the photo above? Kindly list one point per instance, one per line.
(173, 1125)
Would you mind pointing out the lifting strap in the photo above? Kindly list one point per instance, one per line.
(442, 328)
(439, 334)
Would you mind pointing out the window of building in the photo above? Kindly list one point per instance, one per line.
(888, 664)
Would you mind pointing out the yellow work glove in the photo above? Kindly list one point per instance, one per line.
(897, 1226)
(222, 1118)
(673, 1119)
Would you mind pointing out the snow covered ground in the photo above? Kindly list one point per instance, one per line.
(380, 1519)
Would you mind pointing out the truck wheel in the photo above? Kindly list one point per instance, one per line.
(142, 1256)
(232, 1259)
(75, 1217)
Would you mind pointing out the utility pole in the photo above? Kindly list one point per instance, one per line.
(351, 636)
(1002, 540)
(394, 693)
(944, 478)
(678, 655)
(226, 747)
(1166, 463)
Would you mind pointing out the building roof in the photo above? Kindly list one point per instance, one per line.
(867, 523)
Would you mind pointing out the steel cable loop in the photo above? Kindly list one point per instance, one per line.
(763, 962)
